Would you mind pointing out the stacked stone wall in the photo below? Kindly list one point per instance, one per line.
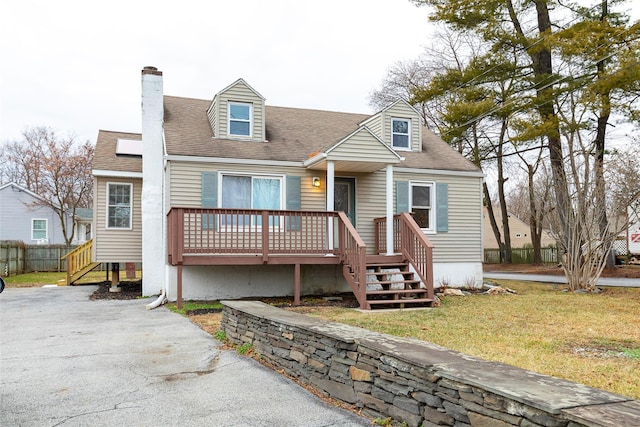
(415, 382)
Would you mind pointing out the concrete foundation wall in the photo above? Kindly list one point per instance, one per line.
(457, 274)
(243, 281)
(416, 382)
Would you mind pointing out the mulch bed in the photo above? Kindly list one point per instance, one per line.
(129, 290)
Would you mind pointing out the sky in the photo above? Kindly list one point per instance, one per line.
(75, 66)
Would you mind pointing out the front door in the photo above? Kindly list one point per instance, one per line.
(344, 197)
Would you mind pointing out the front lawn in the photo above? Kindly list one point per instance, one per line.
(40, 279)
(592, 339)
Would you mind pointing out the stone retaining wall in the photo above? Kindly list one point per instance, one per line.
(416, 382)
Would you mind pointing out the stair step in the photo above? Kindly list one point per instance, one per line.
(397, 291)
(388, 265)
(387, 272)
(380, 302)
(395, 282)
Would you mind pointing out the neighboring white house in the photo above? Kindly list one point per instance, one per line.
(219, 174)
(22, 219)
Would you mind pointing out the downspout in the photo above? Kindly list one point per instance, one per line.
(162, 299)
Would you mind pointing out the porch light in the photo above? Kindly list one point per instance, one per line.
(316, 181)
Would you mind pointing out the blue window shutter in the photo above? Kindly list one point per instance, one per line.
(209, 189)
(402, 196)
(293, 193)
(442, 207)
(293, 202)
(209, 199)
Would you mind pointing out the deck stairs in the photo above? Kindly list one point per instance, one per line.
(79, 262)
(391, 283)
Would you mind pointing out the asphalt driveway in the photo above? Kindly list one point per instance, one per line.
(69, 361)
(623, 282)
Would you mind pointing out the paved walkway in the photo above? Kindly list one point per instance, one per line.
(549, 278)
(69, 361)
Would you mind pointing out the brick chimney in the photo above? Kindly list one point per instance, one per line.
(153, 225)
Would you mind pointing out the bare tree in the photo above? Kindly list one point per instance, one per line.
(57, 169)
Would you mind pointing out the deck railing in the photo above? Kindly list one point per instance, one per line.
(411, 242)
(220, 231)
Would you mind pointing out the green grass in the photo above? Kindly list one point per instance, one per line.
(190, 306)
(632, 353)
(592, 339)
(40, 279)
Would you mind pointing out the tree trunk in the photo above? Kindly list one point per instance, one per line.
(535, 228)
(508, 258)
(492, 220)
(603, 118)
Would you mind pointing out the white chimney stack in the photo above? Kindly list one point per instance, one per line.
(153, 229)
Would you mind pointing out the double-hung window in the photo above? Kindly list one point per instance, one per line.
(252, 192)
(422, 202)
(38, 229)
(239, 119)
(119, 205)
(400, 131)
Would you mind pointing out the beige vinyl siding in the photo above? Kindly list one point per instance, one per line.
(117, 245)
(361, 146)
(463, 241)
(240, 92)
(370, 204)
(402, 110)
(214, 116)
(186, 182)
(374, 124)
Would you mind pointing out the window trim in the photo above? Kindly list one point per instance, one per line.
(408, 134)
(432, 208)
(229, 120)
(108, 192)
(46, 228)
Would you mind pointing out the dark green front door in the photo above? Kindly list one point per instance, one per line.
(345, 197)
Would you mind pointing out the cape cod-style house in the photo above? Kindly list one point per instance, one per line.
(229, 197)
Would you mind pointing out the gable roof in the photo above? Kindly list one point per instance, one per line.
(22, 189)
(243, 82)
(389, 107)
(360, 151)
(292, 134)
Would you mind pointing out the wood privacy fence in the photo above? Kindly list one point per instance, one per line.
(522, 256)
(18, 258)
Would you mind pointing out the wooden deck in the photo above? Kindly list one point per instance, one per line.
(199, 236)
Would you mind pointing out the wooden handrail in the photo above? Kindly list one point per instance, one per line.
(411, 242)
(353, 254)
(78, 258)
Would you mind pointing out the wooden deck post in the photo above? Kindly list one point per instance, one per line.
(115, 277)
(179, 296)
(296, 284)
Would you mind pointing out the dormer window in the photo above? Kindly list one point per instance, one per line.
(400, 133)
(240, 122)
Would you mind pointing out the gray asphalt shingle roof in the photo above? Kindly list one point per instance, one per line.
(292, 134)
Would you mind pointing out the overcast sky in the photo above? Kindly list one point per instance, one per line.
(75, 65)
